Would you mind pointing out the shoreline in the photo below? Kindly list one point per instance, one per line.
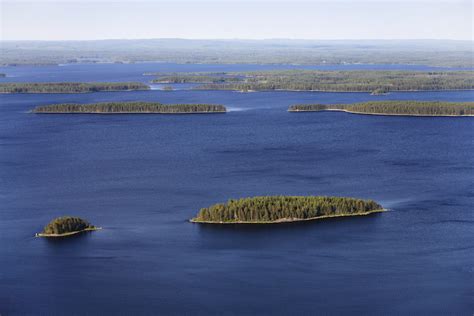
(381, 114)
(66, 234)
(289, 220)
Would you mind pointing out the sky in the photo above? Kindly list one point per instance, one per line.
(229, 19)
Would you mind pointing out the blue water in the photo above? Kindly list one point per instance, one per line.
(134, 72)
(142, 176)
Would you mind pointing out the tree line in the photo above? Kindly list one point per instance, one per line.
(275, 208)
(429, 108)
(194, 79)
(130, 107)
(69, 87)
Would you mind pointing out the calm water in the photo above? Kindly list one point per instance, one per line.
(134, 72)
(142, 176)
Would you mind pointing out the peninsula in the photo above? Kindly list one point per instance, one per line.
(280, 209)
(70, 87)
(406, 108)
(129, 108)
(66, 226)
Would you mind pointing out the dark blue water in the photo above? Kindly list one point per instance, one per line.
(134, 72)
(142, 176)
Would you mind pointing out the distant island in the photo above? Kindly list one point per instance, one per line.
(280, 209)
(2, 75)
(196, 78)
(374, 82)
(408, 108)
(129, 108)
(70, 87)
(66, 226)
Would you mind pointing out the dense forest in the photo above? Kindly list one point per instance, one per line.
(66, 224)
(69, 87)
(278, 51)
(427, 108)
(284, 208)
(376, 82)
(130, 107)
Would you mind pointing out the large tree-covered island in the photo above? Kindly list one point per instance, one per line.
(130, 108)
(66, 226)
(375, 82)
(406, 108)
(279, 209)
(70, 87)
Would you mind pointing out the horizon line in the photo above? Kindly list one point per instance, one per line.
(235, 39)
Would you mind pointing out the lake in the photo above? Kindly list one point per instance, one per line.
(141, 177)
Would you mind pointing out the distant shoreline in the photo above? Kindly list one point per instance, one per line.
(67, 234)
(289, 220)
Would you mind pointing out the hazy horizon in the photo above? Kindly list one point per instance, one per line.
(244, 20)
(244, 39)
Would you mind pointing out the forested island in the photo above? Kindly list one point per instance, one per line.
(375, 82)
(70, 87)
(210, 79)
(2, 75)
(129, 108)
(279, 209)
(409, 108)
(66, 226)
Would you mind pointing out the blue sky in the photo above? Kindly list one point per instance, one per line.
(249, 19)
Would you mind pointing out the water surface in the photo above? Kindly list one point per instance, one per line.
(142, 176)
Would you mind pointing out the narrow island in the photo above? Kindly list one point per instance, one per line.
(211, 79)
(129, 108)
(70, 87)
(66, 226)
(282, 209)
(374, 82)
(403, 108)
(2, 75)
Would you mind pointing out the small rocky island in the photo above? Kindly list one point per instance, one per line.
(406, 108)
(280, 209)
(70, 87)
(129, 108)
(66, 226)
